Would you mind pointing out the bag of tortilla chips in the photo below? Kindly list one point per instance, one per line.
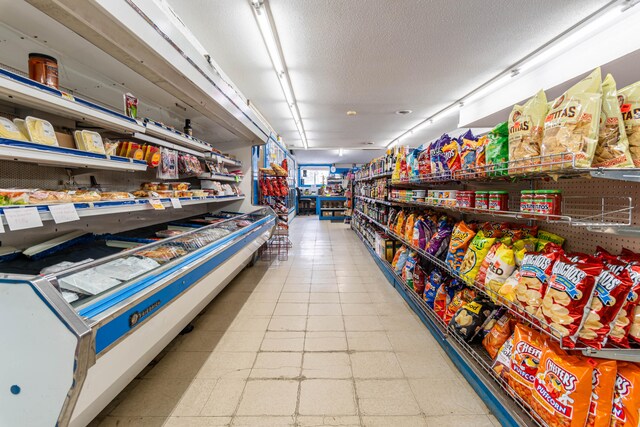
(629, 99)
(613, 147)
(526, 123)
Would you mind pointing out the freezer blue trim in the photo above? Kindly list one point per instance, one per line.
(118, 327)
(476, 383)
(49, 148)
(132, 289)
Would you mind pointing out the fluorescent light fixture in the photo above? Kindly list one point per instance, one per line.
(267, 29)
(489, 87)
(340, 152)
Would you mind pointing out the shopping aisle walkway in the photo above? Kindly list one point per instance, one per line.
(321, 339)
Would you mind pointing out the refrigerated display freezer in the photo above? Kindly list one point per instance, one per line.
(62, 363)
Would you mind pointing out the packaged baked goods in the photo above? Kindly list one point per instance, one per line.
(603, 383)
(526, 125)
(79, 196)
(116, 195)
(534, 273)
(562, 389)
(606, 302)
(478, 249)
(525, 358)
(629, 98)
(568, 293)
(497, 152)
(460, 239)
(626, 396)
(9, 130)
(89, 141)
(41, 131)
(500, 332)
(571, 125)
(612, 150)
(48, 196)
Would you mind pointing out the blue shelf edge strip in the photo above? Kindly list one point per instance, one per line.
(496, 408)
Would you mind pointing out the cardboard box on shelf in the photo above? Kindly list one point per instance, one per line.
(65, 140)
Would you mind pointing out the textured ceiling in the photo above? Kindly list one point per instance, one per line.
(373, 56)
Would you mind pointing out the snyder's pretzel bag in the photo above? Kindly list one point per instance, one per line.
(562, 389)
(571, 125)
(626, 396)
(569, 290)
(525, 358)
(526, 124)
(460, 239)
(629, 98)
(613, 146)
(534, 273)
(603, 382)
(609, 296)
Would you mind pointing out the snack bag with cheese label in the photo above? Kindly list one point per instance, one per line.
(468, 154)
(626, 396)
(603, 382)
(613, 146)
(460, 239)
(568, 293)
(619, 335)
(562, 389)
(526, 125)
(534, 273)
(609, 295)
(525, 358)
(571, 125)
(629, 99)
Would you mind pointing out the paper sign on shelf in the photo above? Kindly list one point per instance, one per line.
(176, 203)
(64, 213)
(22, 218)
(1, 225)
(157, 204)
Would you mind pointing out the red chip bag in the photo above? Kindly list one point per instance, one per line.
(534, 273)
(609, 296)
(562, 389)
(569, 291)
(619, 335)
(525, 357)
(629, 256)
(626, 396)
(603, 382)
(441, 301)
(494, 229)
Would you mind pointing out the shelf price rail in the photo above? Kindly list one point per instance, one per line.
(472, 360)
(537, 323)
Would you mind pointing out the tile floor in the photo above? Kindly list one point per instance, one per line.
(319, 340)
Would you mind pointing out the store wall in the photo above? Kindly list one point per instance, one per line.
(244, 155)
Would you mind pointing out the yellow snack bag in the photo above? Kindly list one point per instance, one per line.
(629, 99)
(500, 268)
(472, 261)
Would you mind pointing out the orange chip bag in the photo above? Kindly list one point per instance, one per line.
(562, 389)
(525, 357)
(626, 396)
(498, 335)
(603, 382)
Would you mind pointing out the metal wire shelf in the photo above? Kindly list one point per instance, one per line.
(368, 178)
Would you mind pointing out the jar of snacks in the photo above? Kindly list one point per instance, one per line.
(498, 200)
(466, 199)
(526, 201)
(482, 200)
(548, 202)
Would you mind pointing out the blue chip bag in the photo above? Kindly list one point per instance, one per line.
(431, 287)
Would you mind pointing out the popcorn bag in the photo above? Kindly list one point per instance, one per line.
(603, 382)
(525, 358)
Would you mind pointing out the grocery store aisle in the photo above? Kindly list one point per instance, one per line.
(321, 339)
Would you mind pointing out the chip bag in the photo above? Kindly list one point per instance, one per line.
(526, 125)
(460, 238)
(478, 249)
(408, 227)
(451, 156)
(396, 257)
(603, 382)
(460, 298)
(498, 335)
(625, 318)
(432, 284)
(437, 157)
(562, 389)
(534, 272)
(500, 268)
(400, 221)
(468, 154)
(424, 162)
(439, 242)
(550, 237)
(569, 290)
(571, 125)
(484, 265)
(469, 318)
(609, 296)
(626, 396)
(441, 299)
(612, 150)
(497, 152)
(525, 358)
(629, 98)
(481, 156)
(508, 288)
(419, 279)
(409, 267)
(502, 363)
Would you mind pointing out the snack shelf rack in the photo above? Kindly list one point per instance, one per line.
(632, 355)
(473, 360)
(370, 219)
(46, 155)
(579, 211)
(552, 166)
(371, 200)
(123, 206)
(369, 178)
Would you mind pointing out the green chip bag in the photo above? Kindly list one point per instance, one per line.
(497, 151)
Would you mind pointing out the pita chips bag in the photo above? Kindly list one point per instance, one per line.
(629, 99)
(526, 125)
(571, 125)
(603, 382)
(613, 146)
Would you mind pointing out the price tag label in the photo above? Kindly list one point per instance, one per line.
(67, 96)
(22, 218)
(176, 203)
(157, 204)
(64, 213)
